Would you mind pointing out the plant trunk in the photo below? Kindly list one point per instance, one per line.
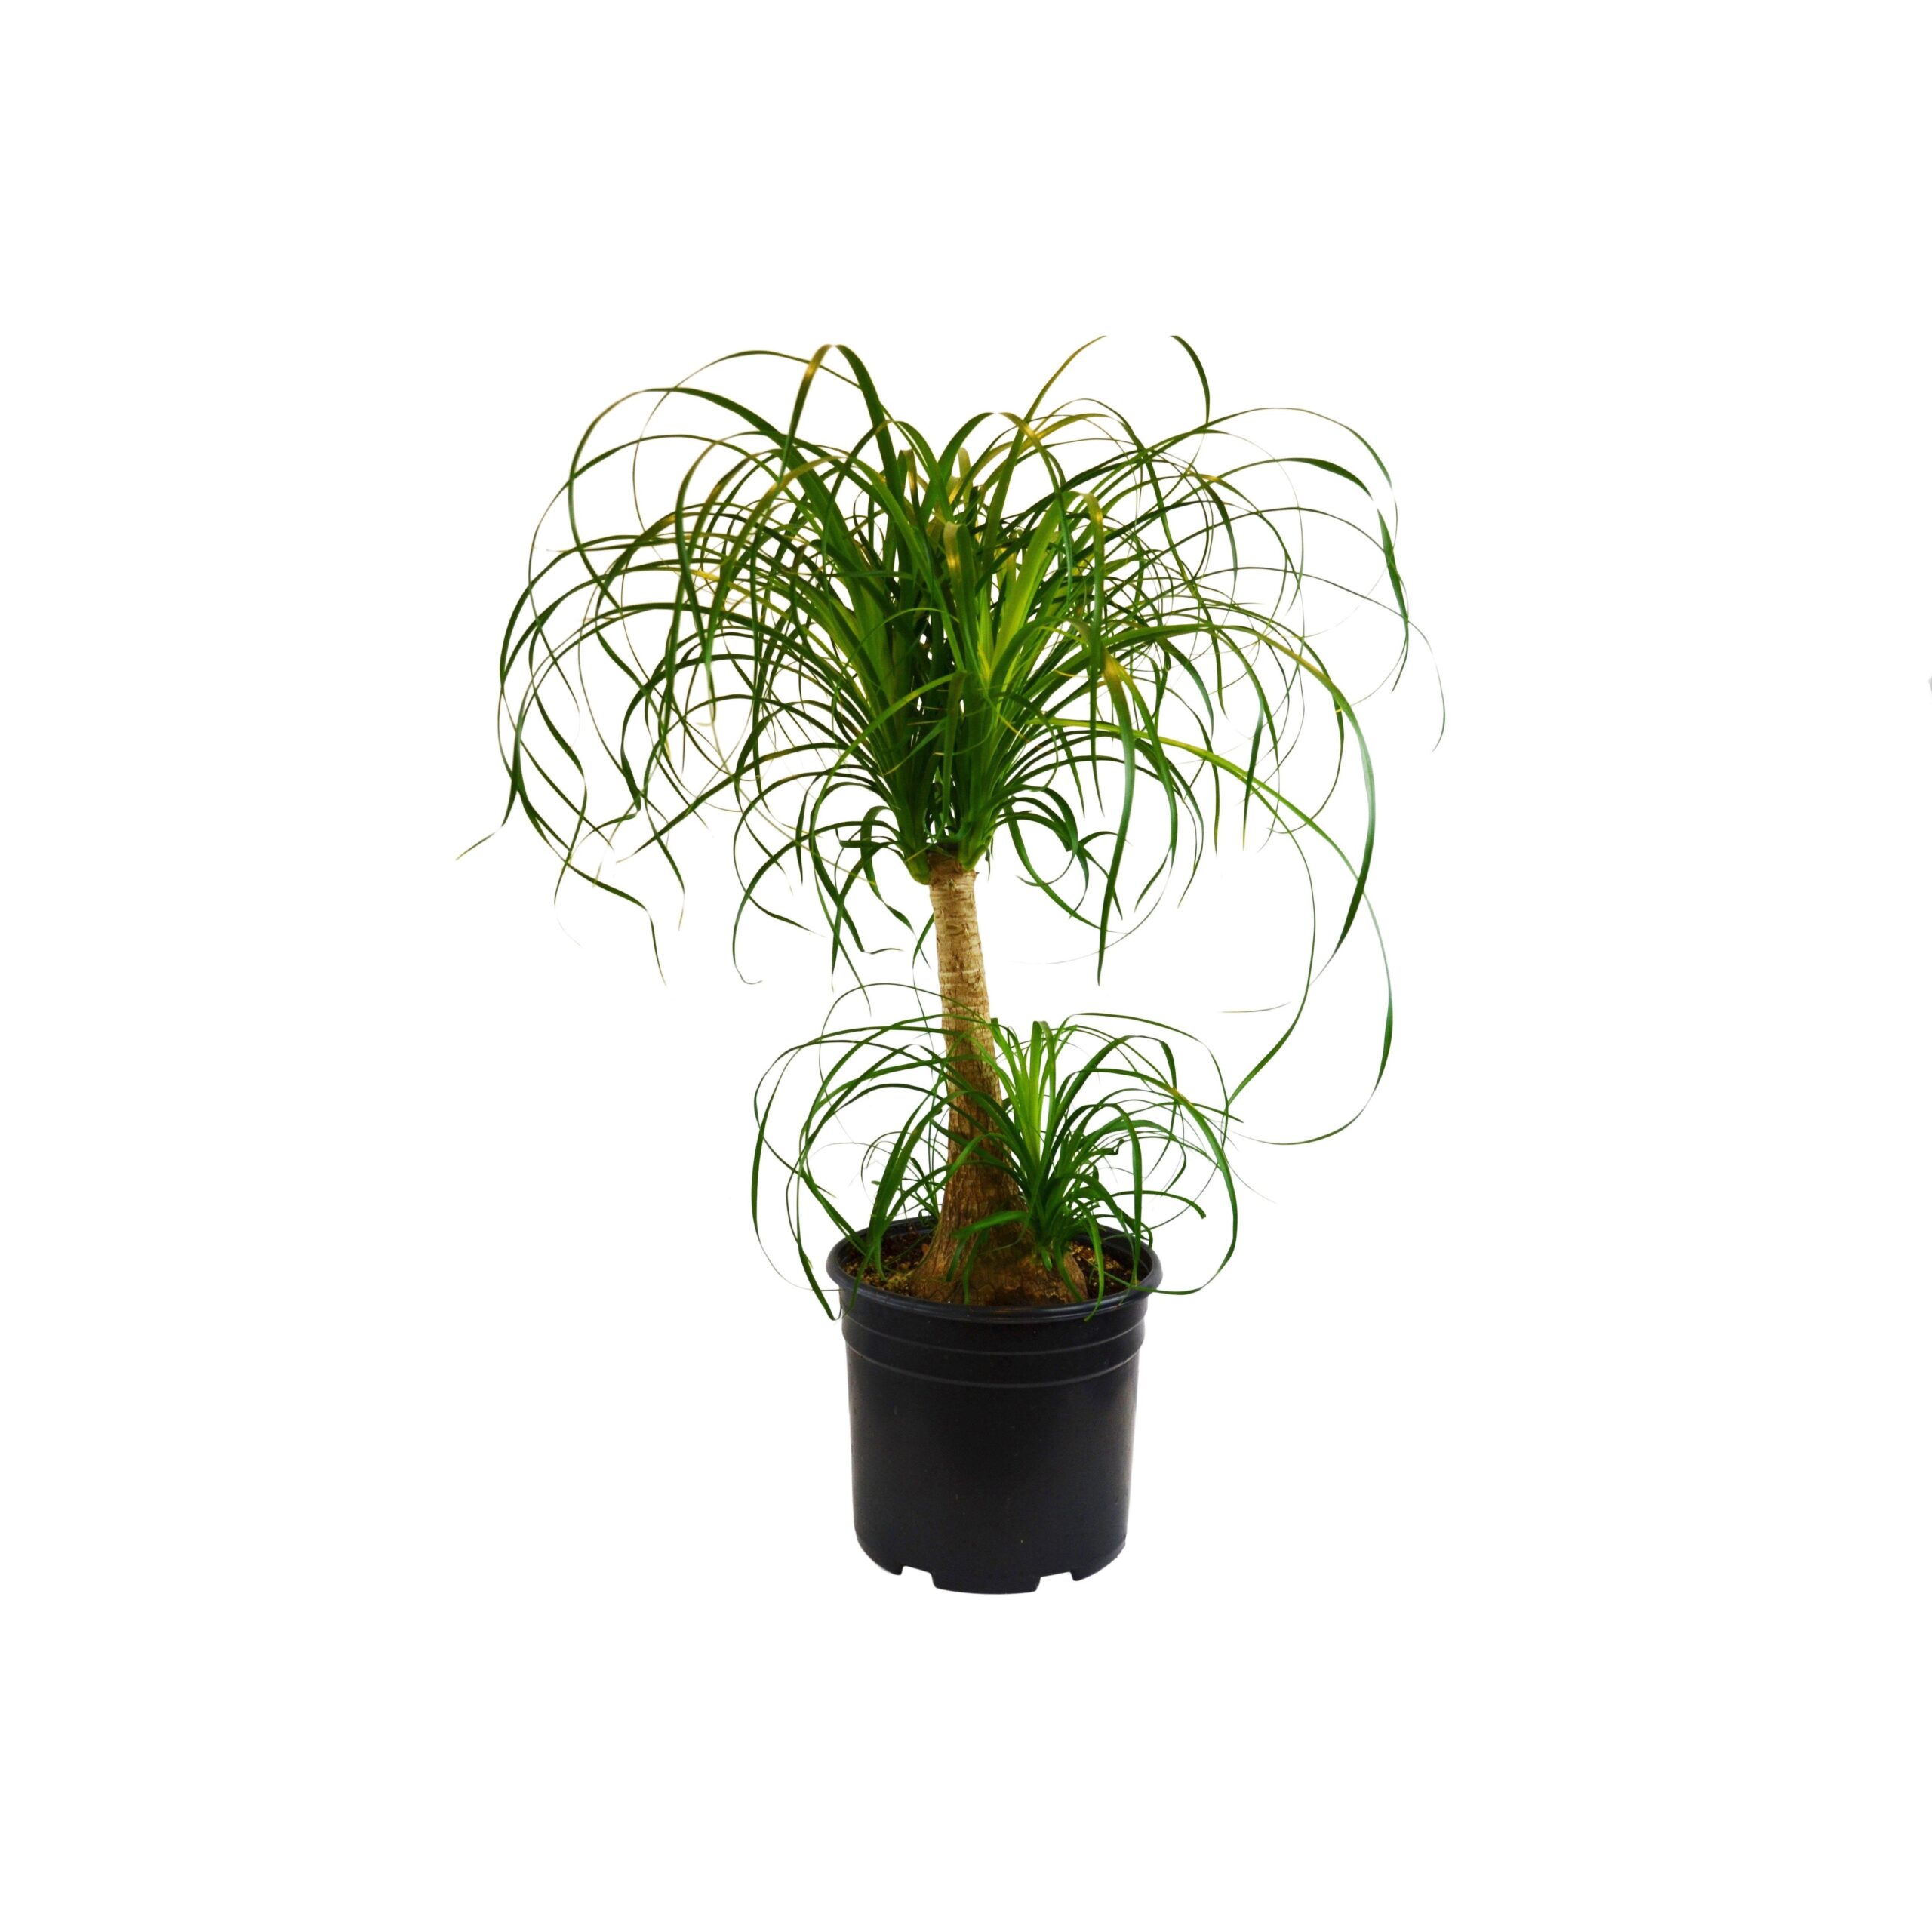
(1004, 1269)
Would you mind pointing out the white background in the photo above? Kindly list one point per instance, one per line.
(423, 1505)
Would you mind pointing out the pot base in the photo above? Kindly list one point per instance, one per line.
(988, 1587)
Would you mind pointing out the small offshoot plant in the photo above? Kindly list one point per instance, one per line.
(870, 649)
(1088, 1117)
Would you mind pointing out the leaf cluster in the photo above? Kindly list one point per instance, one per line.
(1091, 1117)
(1040, 630)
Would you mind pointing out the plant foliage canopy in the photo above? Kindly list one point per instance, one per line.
(891, 645)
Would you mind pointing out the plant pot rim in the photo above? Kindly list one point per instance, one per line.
(851, 1287)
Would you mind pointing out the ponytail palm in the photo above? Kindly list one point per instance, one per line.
(1042, 633)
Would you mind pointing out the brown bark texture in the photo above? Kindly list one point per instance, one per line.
(1004, 1270)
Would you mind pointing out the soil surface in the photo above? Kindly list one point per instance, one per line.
(903, 1252)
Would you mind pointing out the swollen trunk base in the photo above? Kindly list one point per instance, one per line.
(990, 1447)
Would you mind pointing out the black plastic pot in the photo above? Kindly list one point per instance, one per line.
(990, 1447)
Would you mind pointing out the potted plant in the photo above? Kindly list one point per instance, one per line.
(875, 653)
